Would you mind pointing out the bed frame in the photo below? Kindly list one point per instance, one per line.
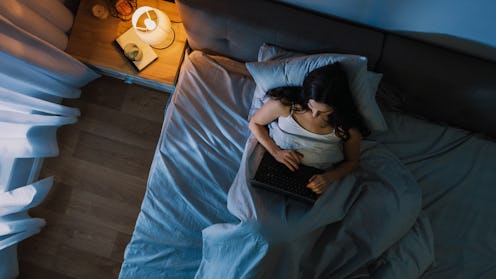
(439, 84)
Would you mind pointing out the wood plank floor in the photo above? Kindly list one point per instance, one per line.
(100, 180)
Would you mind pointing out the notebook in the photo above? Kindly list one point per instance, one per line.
(276, 177)
(129, 37)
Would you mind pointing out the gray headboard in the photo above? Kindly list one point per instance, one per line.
(238, 28)
(440, 84)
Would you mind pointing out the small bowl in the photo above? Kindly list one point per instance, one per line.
(133, 52)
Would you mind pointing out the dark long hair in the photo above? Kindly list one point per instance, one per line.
(288, 95)
(328, 85)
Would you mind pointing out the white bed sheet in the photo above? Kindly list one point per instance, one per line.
(197, 157)
(200, 150)
(456, 172)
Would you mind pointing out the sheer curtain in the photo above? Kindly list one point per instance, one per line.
(35, 75)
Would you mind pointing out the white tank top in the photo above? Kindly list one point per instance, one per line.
(320, 151)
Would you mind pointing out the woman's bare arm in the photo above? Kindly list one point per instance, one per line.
(269, 112)
(320, 183)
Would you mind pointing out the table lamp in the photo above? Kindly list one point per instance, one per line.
(153, 27)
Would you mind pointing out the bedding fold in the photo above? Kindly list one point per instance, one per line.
(350, 226)
(200, 217)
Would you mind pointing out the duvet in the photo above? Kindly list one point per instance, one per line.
(361, 226)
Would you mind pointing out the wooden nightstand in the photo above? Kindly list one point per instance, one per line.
(92, 41)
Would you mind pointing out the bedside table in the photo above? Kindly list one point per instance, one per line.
(92, 41)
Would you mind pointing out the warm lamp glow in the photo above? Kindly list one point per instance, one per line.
(153, 27)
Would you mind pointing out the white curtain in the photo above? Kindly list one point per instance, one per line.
(35, 75)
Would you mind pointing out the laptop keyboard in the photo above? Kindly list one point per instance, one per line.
(274, 176)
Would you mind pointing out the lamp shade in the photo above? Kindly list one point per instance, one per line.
(153, 27)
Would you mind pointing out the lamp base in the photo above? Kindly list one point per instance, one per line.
(168, 42)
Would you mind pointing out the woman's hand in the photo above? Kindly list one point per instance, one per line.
(320, 182)
(290, 158)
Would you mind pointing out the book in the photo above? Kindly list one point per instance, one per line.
(130, 37)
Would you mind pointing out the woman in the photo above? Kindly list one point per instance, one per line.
(350, 226)
(317, 124)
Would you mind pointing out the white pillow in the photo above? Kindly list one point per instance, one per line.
(270, 52)
(290, 68)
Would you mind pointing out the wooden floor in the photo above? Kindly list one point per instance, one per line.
(100, 180)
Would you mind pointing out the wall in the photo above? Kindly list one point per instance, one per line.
(469, 26)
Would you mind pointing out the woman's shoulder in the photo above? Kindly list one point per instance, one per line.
(355, 134)
(270, 111)
(278, 107)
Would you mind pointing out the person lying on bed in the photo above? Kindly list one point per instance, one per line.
(316, 124)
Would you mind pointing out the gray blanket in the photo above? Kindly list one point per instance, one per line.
(366, 224)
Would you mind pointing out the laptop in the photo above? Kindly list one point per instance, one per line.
(276, 177)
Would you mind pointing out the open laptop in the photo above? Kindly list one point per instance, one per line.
(276, 177)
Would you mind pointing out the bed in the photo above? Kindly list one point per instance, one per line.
(421, 205)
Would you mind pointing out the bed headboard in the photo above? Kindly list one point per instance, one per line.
(438, 83)
(238, 28)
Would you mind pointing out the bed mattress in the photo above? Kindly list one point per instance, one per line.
(190, 197)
